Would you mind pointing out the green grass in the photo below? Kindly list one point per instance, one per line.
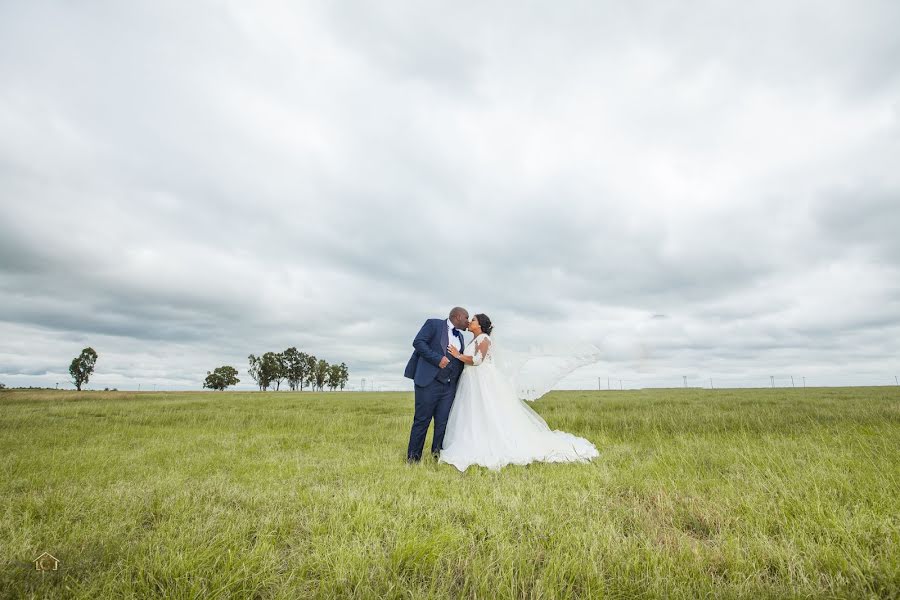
(696, 493)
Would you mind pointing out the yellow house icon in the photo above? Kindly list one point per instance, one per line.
(46, 562)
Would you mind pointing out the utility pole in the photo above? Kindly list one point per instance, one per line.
(792, 381)
(772, 377)
(804, 381)
(608, 386)
(710, 384)
(620, 385)
(685, 380)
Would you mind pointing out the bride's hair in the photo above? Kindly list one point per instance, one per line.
(485, 323)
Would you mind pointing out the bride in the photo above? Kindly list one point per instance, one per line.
(489, 425)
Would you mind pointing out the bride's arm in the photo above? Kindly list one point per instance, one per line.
(480, 350)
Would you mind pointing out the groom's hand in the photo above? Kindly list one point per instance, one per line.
(444, 362)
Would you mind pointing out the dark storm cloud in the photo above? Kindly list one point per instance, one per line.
(184, 185)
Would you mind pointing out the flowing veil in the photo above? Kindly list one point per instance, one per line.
(533, 373)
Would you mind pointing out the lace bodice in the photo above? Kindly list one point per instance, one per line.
(480, 350)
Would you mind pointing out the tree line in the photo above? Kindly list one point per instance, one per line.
(298, 369)
(271, 370)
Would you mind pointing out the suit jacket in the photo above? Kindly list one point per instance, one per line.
(430, 347)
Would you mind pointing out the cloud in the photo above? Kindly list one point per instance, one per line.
(183, 185)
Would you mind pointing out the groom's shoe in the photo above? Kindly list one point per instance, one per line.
(435, 455)
(412, 460)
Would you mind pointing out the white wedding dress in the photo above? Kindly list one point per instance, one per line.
(491, 427)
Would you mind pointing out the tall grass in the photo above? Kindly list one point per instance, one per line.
(696, 493)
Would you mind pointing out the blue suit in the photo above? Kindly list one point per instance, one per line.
(435, 388)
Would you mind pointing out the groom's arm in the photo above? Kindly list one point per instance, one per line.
(421, 344)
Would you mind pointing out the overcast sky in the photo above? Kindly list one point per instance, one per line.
(702, 189)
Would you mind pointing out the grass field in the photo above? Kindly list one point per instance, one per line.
(697, 493)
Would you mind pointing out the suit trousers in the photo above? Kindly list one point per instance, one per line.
(433, 401)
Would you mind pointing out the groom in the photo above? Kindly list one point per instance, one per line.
(435, 374)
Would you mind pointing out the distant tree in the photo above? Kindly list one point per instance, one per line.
(221, 378)
(310, 362)
(291, 359)
(2, 386)
(280, 369)
(264, 369)
(321, 374)
(271, 366)
(305, 364)
(345, 375)
(255, 371)
(82, 367)
(334, 376)
(297, 367)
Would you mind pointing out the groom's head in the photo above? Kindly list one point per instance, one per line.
(459, 317)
